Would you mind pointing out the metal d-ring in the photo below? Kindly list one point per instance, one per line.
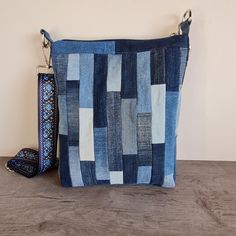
(8, 168)
(47, 58)
(46, 45)
(186, 17)
(45, 42)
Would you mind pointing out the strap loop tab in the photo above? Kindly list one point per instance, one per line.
(184, 26)
(46, 36)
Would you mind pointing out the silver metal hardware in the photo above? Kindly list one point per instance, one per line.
(8, 168)
(45, 42)
(186, 17)
(46, 49)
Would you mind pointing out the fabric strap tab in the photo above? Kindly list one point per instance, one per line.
(46, 35)
(185, 26)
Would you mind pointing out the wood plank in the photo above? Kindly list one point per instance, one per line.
(203, 203)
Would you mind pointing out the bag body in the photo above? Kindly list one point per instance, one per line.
(119, 103)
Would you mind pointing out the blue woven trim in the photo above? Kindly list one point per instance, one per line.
(29, 162)
(47, 121)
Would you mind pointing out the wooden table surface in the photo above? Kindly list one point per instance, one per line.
(203, 203)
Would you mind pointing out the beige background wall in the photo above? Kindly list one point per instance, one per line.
(208, 115)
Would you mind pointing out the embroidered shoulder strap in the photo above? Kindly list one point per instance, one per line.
(27, 161)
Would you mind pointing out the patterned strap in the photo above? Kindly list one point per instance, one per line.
(29, 162)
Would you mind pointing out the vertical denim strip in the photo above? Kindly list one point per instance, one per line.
(86, 135)
(158, 66)
(116, 177)
(86, 80)
(130, 169)
(114, 73)
(129, 126)
(183, 63)
(63, 123)
(175, 164)
(172, 99)
(64, 169)
(178, 112)
(144, 160)
(72, 99)
(172, 69)
(73, 67)
(169, 181)
(114, 145)
(158, 92)
(100, 90)
(143, 82)
(144, 174)
(74, 164)
(144, 133)
(60, 69)
(100, 149)
(129, 75)
(158, 152)
(88, 172)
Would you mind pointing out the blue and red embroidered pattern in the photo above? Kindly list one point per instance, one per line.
(27, 161)
(47, 121)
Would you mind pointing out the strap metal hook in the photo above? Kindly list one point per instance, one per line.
(8, 168)
(46, 49)
(46, 46)
(187, 17)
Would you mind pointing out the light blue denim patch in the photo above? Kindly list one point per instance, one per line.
(101, 157)
(172, 99)
(86, 80)
(74, 165)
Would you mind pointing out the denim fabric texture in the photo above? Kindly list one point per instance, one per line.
(119, 104)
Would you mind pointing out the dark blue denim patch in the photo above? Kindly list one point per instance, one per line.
(88, 172)
(72, 98)
(158, 66)
(100, 90)
(130, 168)
(158, 162)
(129, 75)
(64, 168)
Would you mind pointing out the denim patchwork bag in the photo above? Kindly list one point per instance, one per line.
(119, 103)
(118, 109)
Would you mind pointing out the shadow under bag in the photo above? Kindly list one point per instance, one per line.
(119, 103)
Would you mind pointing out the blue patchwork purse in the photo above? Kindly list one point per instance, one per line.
(118, 103)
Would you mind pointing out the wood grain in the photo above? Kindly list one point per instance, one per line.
(203, 203)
